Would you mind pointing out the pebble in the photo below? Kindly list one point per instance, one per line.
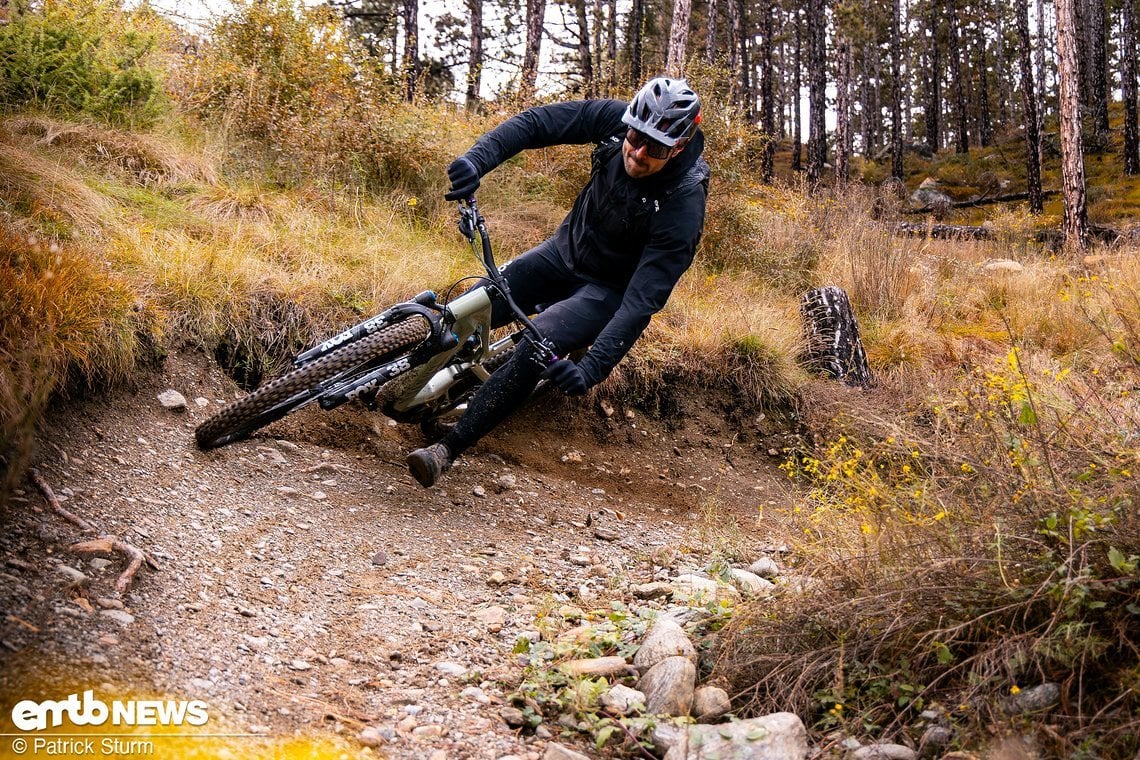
(555, 751)
(121, 617)
(651, 590)
(765, 567)
(596, 666)
(201, 402)
(492, 618)
(109, 604)
(497, 578)
(69, 572)
(622, 700)
(884, 752)
(370, 737)
(606, 534)
(476, 694)
(430, 731)
(172, 400)
(300, 665)
(479, 491)
(512, 716)
(451, 668)
(99, 563)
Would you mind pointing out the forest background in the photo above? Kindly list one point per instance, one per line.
(968, 524)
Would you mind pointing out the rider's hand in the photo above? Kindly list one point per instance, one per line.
(566, 375)
(464, 179)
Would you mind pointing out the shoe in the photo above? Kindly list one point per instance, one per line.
(426, 465)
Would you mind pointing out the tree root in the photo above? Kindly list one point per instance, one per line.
(106, 543)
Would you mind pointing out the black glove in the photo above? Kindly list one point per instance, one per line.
(464, 179)
(566, 375)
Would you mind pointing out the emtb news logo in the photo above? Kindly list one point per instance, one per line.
(30, 715)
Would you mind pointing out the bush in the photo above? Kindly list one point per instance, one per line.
(94, 63)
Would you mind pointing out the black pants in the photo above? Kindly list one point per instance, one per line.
(573, 313)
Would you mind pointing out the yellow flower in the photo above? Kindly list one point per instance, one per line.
(1015, 689)
(413, 201)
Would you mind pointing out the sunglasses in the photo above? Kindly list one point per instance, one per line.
(653, 149)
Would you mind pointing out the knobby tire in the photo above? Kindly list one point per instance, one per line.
(284, 394)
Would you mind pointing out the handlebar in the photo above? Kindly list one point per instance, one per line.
(472, 223)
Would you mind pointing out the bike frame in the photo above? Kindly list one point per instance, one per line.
(434, 368)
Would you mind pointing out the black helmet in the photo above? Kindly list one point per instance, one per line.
(665, 109)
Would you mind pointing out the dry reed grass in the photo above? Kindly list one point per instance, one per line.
(144, 159)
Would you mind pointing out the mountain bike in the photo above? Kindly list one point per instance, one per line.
(416, 362)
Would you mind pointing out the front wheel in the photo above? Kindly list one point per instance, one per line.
(295, 389)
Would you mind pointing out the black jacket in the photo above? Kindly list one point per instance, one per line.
(638, 235)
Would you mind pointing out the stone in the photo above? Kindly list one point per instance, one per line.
(884, 752)
(596, 666)
(172, 400)
(710, 703)
(622, 700)
(99, 563)
(555, 751)
(122, 617)
(765, 567)
(665, 639)
(606, 534)
(1003, 266)
(380, 558)
(451, 668)
(430, 731)
(497, 578)
(696, 587)
(668, 686)
(651, 590)
(779, 736)
(750, 584)
(934, 740)
(72, 575)
(513, 717)
(928, 195)
(370, 737)
(492, 618)
(1032, 700)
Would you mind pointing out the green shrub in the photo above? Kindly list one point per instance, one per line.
(66, 63)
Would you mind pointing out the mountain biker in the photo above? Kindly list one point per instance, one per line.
(612, 263)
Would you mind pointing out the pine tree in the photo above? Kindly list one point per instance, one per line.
(1075, 227)
(1029, 100)
(1128, 85)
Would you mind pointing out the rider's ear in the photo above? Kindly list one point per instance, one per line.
(680, 146)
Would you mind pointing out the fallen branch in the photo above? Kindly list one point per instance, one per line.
(981, 200)
(103, 544)
(943, 231)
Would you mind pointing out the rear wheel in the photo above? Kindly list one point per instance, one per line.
(293, 390)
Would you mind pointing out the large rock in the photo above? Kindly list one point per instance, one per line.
(710, 703)
(172, 400)
(929, 196)
(765, 567)
(665, 639)
(1036, 699)
(779, 736)
(750, 584)
(668, 686)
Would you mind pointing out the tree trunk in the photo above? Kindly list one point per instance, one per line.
(934, 88)
(475, 59)
(411, 48)
(1039, 52)
(767, 106)
(1003, 81)
(1075, 226)
(1098, 67)
(797, 112)
(842, 109)
(896, 95)
(599, 60)
(678, 37)
(710, 34)
(985, 123)
(1128, 86)
(636, 24)
(585, 57)
(1029, 100)
(817, 84)
(963, 141)
(535, 16)
(747, 100)
(611, 46)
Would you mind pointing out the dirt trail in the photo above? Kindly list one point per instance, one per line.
(309, 586)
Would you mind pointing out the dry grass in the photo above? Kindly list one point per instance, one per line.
(69, 319)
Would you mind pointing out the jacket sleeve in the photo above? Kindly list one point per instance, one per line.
(671, 248)
(576, 122)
